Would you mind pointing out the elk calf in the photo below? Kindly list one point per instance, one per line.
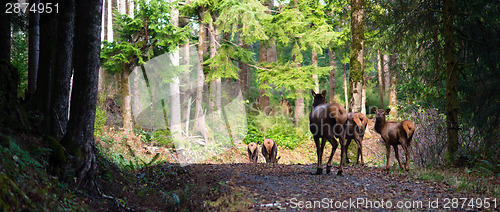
(355, 129)
(394, 134)
(253, 152)
(270, 151)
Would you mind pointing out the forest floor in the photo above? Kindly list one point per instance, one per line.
(228, 182)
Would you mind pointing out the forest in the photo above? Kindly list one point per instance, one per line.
(171, 105)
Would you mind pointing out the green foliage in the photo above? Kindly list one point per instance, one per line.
(149, 33)
(277, 127)
(289, 77)
(245, 18)
(25, 185)
(19, 54)
(224, 62)
(100, 115)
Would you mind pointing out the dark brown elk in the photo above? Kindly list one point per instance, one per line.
(394, 134)
(253, 152)
(355, 129)
(326, 122)
(270, 151)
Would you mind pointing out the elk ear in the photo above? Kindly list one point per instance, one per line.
(323, 93)
(374, 110)
(387, 111)
(313, 93)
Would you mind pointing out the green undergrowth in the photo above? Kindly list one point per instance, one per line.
(278, 127)
(25, 184)
(461, 179)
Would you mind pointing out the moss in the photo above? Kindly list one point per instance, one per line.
(70, 145)
(13, 197)
(57, 156)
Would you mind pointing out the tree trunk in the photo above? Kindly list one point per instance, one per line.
(48, 43)
(84, 94)
(126, 100)
(356, 58)
(61, 79)
(451, 82)
(363, 98)
(314, 61)
(346, 94)
(267, 54)
(200, 77)
(393, 102)
(243, 74)
(331, 57)
(5, 34)
(387, 75)
(299, 104)
(380, 79)
(299, 107)
(175, 98)
(34, 48)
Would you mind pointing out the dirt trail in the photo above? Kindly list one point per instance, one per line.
(228, 182)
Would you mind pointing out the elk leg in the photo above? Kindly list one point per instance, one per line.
(342, 155)
(407, 165)
(334, 144)
(348, 142)
(360, 151)
(388, 156)
(319, 152)
(396, 151)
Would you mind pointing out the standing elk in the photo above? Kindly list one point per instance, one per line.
(253, 152)
(326, 122)
(270, 151)
(355, 129)
(394, 134)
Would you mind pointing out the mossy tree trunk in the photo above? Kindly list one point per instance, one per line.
(381, 90)
(356, 78)
(331, 57)
(61, 79)
(451, 81)
(84, 94)
(393, 102)
(314, 61)
(126, 100)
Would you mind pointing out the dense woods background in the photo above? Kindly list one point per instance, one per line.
(65, 76)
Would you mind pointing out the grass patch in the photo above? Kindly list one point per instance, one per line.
(461, 179)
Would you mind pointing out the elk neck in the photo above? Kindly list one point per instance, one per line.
(379, 124)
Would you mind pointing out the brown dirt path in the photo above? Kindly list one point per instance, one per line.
(228, 183)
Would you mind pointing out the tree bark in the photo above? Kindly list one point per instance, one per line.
(243, 74)
(380, 79)
(84, 94)
(299, 107)
(34, 48)
(200, 77)
(346, 94)
(175, 98)
(126, 100)
(267, 54)
(48, 43)
(452, 104)
(331, 57)
(356, 57)
(61, 79)
(314, 61)
(393, 102)
(5, 34)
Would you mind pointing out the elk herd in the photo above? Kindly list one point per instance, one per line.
(331, 122)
